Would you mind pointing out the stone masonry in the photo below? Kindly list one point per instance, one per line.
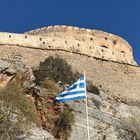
(92, 43)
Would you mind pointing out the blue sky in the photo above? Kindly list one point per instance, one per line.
(120, 17)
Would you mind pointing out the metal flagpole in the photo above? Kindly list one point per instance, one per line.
(87, 110)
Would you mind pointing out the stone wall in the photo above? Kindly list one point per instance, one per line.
(83, 41)
(100, 44)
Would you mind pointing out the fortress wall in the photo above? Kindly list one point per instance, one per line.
(94, 38)
(97, 47)
(80, 31)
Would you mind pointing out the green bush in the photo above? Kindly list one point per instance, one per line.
(63, 124)
(92, 88)
(56, 69)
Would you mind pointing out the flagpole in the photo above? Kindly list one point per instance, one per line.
(87, 111)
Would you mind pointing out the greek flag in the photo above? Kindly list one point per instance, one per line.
(74, 92)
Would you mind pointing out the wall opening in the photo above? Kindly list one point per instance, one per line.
(104, 46)
(66, 42)
(78, 44)
(91, 38)
(122, 52)
(44, 43)
(40, 39)
(114, 42)
(25, 36)
(105, 38)
(9, 36)
(102, 50)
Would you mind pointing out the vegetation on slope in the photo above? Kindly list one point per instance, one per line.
(63, 124)
(17, 112)
(56, 69)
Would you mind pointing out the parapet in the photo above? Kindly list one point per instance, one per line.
(93, 43)
(101, 44)
(76, 30)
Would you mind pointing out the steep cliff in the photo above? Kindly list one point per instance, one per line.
(109, 64)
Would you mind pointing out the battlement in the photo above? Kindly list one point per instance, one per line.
(73, 39)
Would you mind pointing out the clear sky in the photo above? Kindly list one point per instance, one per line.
(120, 17)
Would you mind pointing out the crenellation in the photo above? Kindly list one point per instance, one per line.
(79, 40)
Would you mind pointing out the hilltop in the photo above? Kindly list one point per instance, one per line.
(109, 65)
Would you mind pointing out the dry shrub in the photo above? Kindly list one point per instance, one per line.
(50, 85)
(62, 128)
(21, 79)
(19, 112)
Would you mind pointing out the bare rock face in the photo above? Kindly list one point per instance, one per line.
(109, 120)
(37, 133)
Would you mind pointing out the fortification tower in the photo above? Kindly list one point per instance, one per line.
(91, 42)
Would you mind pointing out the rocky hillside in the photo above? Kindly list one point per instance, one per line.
(30, 79)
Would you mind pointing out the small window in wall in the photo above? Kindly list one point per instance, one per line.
(90, 47)
(114, 42)
(102, 50)
(78, 44)
(91, 38)
(25, 36)
(44, 43)
(105, 38)
(9, 36)
(40, 39)
(66, 42)
(122, 52)
(104, 46)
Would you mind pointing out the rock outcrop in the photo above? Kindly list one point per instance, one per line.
(109, 64)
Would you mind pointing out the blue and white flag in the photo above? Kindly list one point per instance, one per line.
(74, 92)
